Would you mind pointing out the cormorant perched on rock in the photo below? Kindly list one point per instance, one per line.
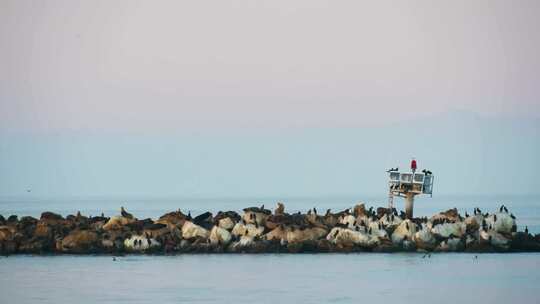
(512, 216)
(526, 230)
(189, 216)
(262, 207)
(328, 212)
(125, 214)
(466, 214)
(501, 208)
(494, 218)
(505, 209)
(314, 210)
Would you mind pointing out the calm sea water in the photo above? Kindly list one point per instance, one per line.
(270, 278)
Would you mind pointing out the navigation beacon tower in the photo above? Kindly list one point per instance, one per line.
(408, 185)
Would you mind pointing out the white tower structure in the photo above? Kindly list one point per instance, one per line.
(408, 185)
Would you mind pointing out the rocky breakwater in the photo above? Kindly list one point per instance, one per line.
(259, 230)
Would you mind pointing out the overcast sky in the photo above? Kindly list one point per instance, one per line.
(77, 77)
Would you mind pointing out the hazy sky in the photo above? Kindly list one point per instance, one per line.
(262, 97)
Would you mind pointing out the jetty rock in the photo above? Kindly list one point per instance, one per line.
(259, 230)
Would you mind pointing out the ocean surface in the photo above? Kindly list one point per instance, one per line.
(271, 278)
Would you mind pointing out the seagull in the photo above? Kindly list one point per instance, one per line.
(124, 213)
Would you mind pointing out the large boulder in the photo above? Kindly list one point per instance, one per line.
(376, 228)
(7, 232)
(191, 230)
(450, 215)
(447, 230)
(226, 220)
(495, 239)
(471, 224)
(280, 209)
(117, 222)
(78, 241)
(501, 222)
(390, 221)
(220, 236)
(176, 218)
(277, 234)
(205, 220)
(524, 242)
(300, 235)
(347, 237)
(424, 239)
(252, 230)
(141, 243)
(257, 215)
(451, 244)
(359, 210)
(404, 231)
(51, 217)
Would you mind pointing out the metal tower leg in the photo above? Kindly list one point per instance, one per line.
(409, 203)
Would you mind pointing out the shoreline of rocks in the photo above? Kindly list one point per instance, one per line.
(259, 230)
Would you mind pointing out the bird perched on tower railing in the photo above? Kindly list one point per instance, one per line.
(392, 170)
(426, 172)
